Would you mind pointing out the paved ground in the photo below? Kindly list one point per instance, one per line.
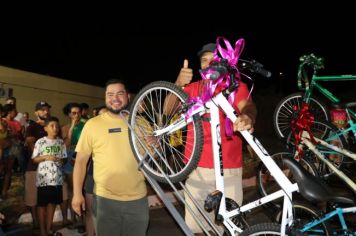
(161, 221)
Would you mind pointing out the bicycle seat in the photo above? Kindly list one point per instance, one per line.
(312, 188)
(350, 104)
(340, 105)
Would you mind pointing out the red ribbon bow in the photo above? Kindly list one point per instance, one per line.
(303, 122)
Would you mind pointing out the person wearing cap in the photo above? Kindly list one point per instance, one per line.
(201, 181)
(34, 132)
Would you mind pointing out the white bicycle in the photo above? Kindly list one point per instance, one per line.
(175, 154)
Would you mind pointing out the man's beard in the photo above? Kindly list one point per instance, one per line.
(42, 117)
(116, 112)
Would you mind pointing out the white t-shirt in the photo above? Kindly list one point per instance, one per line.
(49, 173)
(20, 118)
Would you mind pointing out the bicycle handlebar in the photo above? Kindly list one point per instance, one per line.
(311, 60)
(222, 67)
(315, 63)
(255, 67)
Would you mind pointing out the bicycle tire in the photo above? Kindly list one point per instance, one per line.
(283, 112)
(323, 130)
(263, 229)
(147, 115)
(266, 183)
(303, 213)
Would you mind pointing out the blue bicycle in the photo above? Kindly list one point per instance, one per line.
(308, 220)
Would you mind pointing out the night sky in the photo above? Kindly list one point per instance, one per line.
(91, 48)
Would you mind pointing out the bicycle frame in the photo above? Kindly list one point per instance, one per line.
(282, 180)
(306, 140)
(316, 64)
(307, 83)
(213, 105)
(338, 211)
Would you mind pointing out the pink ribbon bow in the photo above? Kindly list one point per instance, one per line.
(232, 56)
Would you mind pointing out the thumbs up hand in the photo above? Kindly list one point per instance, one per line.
(185, 75)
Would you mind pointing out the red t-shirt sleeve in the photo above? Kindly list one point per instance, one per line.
(192, 89)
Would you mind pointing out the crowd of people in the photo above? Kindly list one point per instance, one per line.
(89, 167)
(43, 151)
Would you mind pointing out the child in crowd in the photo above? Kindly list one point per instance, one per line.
(49, 153)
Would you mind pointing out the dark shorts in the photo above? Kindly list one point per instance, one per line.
(49, 195)
(125, 218)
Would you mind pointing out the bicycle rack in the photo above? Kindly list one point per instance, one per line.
(167, 202)
(172, 209)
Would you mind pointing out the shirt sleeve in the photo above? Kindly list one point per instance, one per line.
(64, 150)
(84, 144)
(242, 93)
(192, 89)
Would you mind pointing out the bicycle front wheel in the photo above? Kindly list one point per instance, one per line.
(303, 214)
(170, 155)
(284, 111)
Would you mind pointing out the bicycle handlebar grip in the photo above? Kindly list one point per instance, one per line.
(263, 72)
(218, 71)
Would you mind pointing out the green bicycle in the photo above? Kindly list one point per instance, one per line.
(284, 111)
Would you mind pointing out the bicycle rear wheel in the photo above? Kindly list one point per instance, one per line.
(176, 154)
(267, 184)
(284, 111)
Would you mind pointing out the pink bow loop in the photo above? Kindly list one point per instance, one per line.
(230, 54)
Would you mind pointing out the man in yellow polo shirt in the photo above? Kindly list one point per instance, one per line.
(120, 201)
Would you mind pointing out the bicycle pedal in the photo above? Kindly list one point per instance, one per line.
(212, 201)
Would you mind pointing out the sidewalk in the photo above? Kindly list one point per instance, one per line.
(161, 221)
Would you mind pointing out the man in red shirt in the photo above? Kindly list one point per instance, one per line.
(201, 181)
(14, 137)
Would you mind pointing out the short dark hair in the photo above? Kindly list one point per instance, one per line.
(50, 119)
(84, 105)
(11, 98)
(115, 81)
(68, 107)
(7, 108)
